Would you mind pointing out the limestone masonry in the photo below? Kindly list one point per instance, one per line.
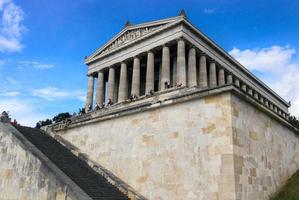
(172, 116)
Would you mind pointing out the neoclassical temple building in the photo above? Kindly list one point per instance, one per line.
(169, 116)
(164, 55)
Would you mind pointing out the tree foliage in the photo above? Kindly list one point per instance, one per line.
(43, 123)
(61, 116)
(294, 121)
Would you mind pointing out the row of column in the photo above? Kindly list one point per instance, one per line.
(205, 79)
(208, 77)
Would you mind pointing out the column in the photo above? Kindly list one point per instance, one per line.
(150, 72)
(136, 77)
(100, 89)
(229, 79)
(203, 76)
(244, 87)
(221, 79)
(123, 83)
(174, 71)
(261, 99)
(165, 67)
(256, 95)
(237, 82)
(111, 82)
(90, 90)
(192, 82)
(181, 63)
(212, 74)
(250, 92)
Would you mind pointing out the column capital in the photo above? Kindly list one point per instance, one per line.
(137, 56)
(181, 38)
(202, 53)
(192, 46)
(212, 60)
(92, 74)
(165, 45)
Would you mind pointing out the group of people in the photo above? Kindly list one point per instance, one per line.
(97, 107)
(6, 119)
(133, 97)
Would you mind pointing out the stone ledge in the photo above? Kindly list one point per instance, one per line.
(165, 99)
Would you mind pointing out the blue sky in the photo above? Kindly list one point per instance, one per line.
(43, 43)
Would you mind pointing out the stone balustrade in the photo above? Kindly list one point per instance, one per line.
(177, 64)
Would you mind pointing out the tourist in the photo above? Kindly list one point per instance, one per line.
(131, 97)
(14, 123)
(152, 92)
(97, 107)
(109, 103)
(5, 117)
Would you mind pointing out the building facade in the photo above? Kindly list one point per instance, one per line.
(178, 118)
(163, 55)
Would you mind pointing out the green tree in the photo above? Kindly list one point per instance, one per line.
(294, 121)
(43, 123)
(61, 116)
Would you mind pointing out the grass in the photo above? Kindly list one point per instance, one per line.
(290, 191)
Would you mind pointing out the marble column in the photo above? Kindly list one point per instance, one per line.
(136, 77)
(165, 67)
(261, 99)
(90, 90)
(212, 74)
(111, 82)
(221, 78)
(192, 82)
(256, 95)
(100, 89)
(244, 87)
(229, 79)
(250, 92)
(203, 76)
(181, 63)
(150, 72)
(237, 82)
(123, 83)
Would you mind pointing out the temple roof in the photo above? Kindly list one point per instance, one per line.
(131, 33)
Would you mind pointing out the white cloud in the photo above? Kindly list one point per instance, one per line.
(11, 27)
(21, 110)
(264, 59)
(9, 94)
(53, 93)
(208, 11)
(277, 63)
(11, 80)
(34, 64)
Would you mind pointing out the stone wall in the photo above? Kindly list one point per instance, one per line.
(216, 147)
(266, 153)
(181, 151)
(22, 175)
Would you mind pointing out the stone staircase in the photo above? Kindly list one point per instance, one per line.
(92, 183)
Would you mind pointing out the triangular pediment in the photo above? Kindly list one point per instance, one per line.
(131, 33)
